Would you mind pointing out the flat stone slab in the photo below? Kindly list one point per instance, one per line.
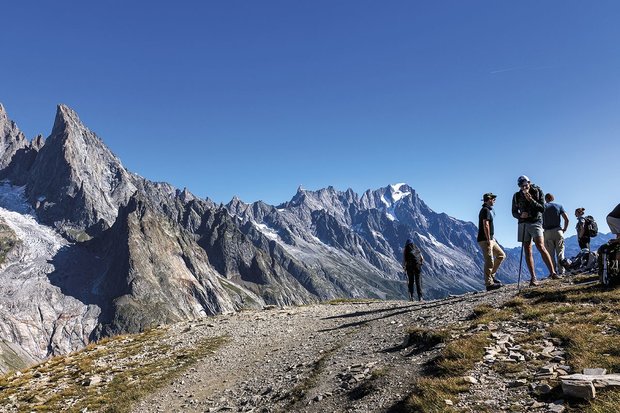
(594, 372)
(601, 380)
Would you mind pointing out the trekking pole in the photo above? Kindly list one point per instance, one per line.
(520, 262)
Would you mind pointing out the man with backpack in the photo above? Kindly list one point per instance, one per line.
(554, 233)
(527, 207)
(493, 254)
(586, 228)
(412, 264)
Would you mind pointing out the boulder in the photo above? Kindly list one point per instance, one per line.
(581, 389)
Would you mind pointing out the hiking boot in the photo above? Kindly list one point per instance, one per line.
(420, 298)
(493, 287)
(554, 277)
(534, 283)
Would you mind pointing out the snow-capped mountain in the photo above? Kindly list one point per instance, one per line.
(371, 229)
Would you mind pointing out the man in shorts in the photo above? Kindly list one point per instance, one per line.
(527, 206)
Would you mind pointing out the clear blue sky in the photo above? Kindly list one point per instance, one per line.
(253, 98)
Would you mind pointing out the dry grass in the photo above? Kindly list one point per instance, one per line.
(431, 393)
(444, 379)
(584, 317)
(485, 314)
(128, 367)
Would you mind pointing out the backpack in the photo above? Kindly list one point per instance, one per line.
(590, 227)
(414, 257)
(586, 261)
(608, 269)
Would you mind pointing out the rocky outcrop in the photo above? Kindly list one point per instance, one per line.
(156, 273)
(11, 139)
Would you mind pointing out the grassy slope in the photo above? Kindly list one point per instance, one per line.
(584, 317)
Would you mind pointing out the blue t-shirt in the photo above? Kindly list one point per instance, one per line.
(551, 216)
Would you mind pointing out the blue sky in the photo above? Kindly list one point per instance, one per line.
(254, 98)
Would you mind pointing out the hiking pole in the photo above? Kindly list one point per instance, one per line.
(520, 262)
(520, 259)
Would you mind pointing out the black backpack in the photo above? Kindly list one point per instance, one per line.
(590, 227)
(414, 257)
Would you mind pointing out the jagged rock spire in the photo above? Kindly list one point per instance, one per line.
(11, 138)
(66, 119)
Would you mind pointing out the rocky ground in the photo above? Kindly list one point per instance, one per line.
(349, 357)
(339, 357)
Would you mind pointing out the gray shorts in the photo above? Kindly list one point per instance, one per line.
(529, 230)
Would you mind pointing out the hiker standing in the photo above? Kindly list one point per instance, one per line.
(554, 233)
(613, 220)
(412, 264)
(491, 251)
(582, 236)
(527, 207)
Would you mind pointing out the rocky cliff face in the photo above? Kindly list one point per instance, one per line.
(135, 253)
(11, 139)
(75, 183)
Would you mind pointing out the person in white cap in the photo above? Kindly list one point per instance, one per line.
(527, 206)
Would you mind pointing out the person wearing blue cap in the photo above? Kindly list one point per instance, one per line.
(492, 252)
(412, 264)
(528, 206)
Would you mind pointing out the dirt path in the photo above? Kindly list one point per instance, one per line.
(322, 358)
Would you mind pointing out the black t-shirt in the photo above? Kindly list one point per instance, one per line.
(485, 214)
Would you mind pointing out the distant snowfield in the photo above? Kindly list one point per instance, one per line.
(39, 243)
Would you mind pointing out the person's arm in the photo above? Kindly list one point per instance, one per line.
(565, 216)
(487, 229)
(515, 207)
(538, 201)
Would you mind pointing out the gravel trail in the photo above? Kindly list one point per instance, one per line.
(347, 357)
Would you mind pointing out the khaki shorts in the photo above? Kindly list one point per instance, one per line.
(529, 230)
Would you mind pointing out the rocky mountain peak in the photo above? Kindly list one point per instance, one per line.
(38, 142)
(11, 138)
(66, 119)
(387, 197)
(76, 179)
